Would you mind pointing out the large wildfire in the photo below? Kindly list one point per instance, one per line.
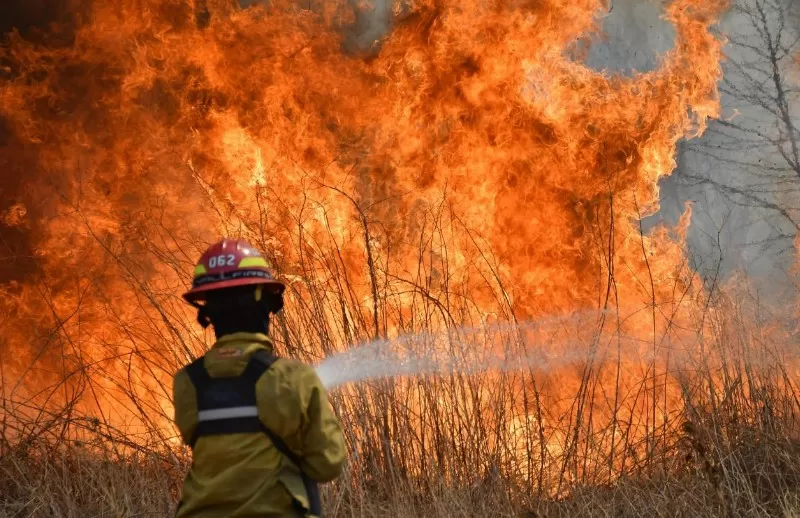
(447, 164)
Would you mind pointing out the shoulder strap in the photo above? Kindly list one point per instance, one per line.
(260, 362)
(264, 357)
(197, 373)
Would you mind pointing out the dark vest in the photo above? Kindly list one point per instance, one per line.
(230, 406)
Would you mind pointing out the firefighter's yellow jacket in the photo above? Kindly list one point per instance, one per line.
(244, 475)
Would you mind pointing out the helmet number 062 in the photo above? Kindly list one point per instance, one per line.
(222, 260)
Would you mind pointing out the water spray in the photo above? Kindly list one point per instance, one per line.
(544, 345)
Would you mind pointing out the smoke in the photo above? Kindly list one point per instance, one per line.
(27, 16)
(743, 154)
(372, 24)
(739, 175)
(733, 182)
(53, 21)
(634, 38)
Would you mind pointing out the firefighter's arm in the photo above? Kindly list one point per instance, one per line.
(294, 405)
(184, 398)
(322, 439)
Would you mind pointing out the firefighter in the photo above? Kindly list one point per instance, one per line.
(262, 432)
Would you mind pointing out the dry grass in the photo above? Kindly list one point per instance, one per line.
(731, 450)
(67, 480)
(696, 417)
(757, 476)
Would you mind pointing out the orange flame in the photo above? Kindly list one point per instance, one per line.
(466, 169)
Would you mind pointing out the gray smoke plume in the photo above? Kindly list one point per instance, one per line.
(373, 21)
(635, 37)
(371, 26)
(743, 175)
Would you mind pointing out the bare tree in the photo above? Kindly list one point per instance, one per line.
(744, 174)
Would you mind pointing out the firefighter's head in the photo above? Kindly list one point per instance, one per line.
(234, 289)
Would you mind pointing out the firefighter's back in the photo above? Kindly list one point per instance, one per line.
(243, 474)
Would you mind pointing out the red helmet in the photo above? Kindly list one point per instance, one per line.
(230, 263)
